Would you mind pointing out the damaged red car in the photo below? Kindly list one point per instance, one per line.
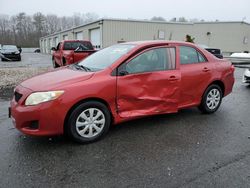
(120, 83)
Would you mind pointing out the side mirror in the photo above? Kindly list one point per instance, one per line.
(123, 73)
(19, 49)
(53, 49)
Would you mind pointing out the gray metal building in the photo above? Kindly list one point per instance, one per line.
(228, 36)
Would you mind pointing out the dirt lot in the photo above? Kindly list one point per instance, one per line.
(13, 72)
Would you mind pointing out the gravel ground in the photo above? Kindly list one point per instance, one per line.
(10, 77)
(12, 73)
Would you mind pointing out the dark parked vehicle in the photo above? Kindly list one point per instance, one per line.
(37, 50)
(215, 51)
(10, 52)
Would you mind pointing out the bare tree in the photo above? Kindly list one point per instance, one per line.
(158, 18)
(173, 19)
(89, 17)
(25, 30)
(52, 23)
(182, 19)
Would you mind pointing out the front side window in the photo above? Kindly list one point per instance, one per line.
(152, 60)
(189, 55)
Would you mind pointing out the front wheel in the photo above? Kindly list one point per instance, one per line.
(211, 99)
(55, 65)
(88, 122)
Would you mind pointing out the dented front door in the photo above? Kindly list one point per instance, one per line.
(148, 84)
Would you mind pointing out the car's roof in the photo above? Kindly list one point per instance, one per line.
(75, 41)
(158, 42)
(152, 43)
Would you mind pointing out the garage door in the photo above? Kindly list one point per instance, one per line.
(50, 45)
(79, 36)
(56, 41)
(65, 37)
(95, 37)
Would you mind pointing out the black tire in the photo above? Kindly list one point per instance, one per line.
(73, 132)
(55, 65)
(215, 102)
(63, 61)
(20, 59)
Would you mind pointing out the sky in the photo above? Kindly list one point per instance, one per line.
(209, 10)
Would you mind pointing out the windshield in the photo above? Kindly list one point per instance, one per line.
(106, 57)
(9, 47)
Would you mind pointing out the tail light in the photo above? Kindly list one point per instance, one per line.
(232, 68)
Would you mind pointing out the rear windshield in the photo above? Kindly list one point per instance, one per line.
(73, 45)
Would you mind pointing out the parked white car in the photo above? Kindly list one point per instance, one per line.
(240, 55)
(246, 76)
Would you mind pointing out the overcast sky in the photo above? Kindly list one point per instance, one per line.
(209, 10)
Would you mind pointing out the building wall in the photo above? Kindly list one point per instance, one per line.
(115, 31)
(228, 36)
(71, 34)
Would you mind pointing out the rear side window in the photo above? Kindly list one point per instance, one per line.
(152, 60)
(189, 55)
(73, 45)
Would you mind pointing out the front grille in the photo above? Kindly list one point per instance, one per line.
(18, 96)
(11, 56)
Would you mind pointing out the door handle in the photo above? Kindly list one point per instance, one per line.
(205, 69)
(173, 78)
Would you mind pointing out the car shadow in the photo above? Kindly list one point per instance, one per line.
(143, 125)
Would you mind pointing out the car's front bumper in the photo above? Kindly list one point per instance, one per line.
(11, 56)
(44, 119)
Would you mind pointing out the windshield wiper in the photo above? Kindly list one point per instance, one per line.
(81, 67)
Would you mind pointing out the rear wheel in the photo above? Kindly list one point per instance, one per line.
(211, 99)
(88, 122)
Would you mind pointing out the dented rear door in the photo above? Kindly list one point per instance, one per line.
(149, 83)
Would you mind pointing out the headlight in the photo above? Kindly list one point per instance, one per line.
(17, 52)
(40, 97)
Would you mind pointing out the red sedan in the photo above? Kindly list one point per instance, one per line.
(119, 83)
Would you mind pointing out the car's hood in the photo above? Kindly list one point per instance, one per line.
(57, 79)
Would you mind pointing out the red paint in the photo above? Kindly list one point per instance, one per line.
(68, 56)
(128, 97)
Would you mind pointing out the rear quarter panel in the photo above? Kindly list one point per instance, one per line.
(224, 71)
